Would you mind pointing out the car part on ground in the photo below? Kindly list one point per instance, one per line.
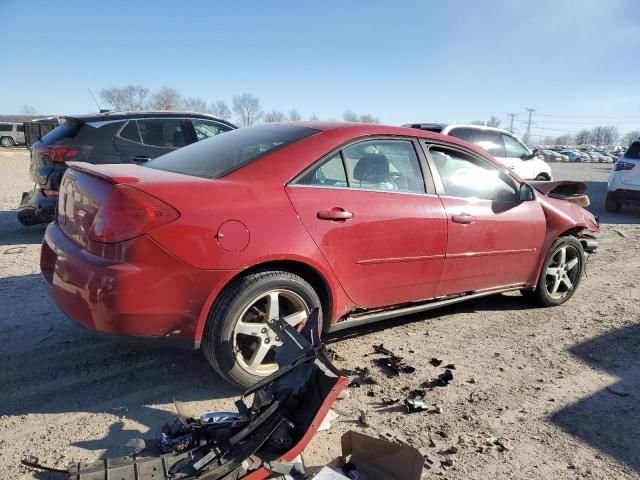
(107, 137)
(261, 438)
(366, 222)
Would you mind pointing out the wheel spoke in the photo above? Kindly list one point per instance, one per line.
(258, 355)
(571, 264)
(273, 305)
(552, 271)
(567, 281)
(296, 318)
(556, 285)
(251, 329)
(563, 256)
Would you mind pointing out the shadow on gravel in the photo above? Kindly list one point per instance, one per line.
(609, 420)
(53, 366)
(597, 192)
(14, 233)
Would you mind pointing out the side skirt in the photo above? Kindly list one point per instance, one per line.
(379, 315)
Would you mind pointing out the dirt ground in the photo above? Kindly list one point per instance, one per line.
(560, 386)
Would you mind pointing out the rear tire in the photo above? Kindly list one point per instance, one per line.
(611, 205)
(237, 341)
(7, 142)
(560, 274)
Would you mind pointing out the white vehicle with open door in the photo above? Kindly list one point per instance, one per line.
(501, 144)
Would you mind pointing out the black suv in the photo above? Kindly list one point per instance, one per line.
(110, 137)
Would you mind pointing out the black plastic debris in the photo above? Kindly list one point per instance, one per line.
(442, 380)
(450, 366)
(436, 362)
(359, 377)
(390, 401)
(392, 362)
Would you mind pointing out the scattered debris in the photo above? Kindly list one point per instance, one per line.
(441, 381)
(361, 376)
(333, 355)
(436, 362)
(363, 418)
(391, 361)
(326, 422)
(473, 380)
(414, 405)
(390, 401)
(450, 366)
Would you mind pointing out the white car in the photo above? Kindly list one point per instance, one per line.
(624, 179)
(501, 144)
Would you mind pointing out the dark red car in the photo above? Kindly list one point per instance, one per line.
(203, 244)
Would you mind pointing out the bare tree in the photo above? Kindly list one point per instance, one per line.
(493, 122)
(479, 122)
(274, 116)
(609, 135)
(565, 139)
(629, 137)
(248, 109)
(166, 99)
(220, 109)
(350, 116)
(313, 117)
(129, 97)
(583, 136)
(294, 115)
(195, 105)
(28, 110)
(366, 118)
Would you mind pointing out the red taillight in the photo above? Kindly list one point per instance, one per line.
(623, 166)
(128, 213)
(60, 154)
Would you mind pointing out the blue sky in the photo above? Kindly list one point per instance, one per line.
(575, 61)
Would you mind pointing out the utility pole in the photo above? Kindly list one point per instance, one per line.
(531, 112)
(512, 117)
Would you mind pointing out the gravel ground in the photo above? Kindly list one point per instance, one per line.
(559, 386)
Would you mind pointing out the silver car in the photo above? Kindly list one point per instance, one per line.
(11, 134)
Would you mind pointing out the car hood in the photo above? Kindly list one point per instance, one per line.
(567, 190)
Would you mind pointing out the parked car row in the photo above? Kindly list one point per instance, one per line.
(623, 187)
(206, 244)
(582, 153)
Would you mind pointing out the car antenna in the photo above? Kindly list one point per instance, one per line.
(96, 102)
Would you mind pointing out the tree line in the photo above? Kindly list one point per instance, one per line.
(245, 109)
(600, 136)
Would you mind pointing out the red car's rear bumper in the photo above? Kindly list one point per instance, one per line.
(158, 296)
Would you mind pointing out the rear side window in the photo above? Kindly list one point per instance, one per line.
(206, 128)
(491, 142)
(222, 154)
(21, 128)
(5, 127)
(465, 134)
(162, 132)
(328, 174)
(66, 130)
(634, 151)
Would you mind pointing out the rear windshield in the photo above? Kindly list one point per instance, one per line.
(222, 154)
(66, 130)
(634, 151)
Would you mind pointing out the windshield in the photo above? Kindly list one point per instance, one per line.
(222, 154)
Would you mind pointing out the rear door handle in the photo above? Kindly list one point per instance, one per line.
(336, 214)
(463, 218)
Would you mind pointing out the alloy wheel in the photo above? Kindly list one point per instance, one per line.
(562, 273)
(254, 342)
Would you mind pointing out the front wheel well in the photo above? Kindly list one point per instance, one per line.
(544, 176)
(308, 273)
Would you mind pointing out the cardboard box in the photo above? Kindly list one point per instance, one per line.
(376, 459)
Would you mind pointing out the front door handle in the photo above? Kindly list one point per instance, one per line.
(463, 218)
(141, 159)
(336, 214)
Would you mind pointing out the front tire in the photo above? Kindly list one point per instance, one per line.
(542, 177)
(561, 273)
(237, 341)
(611, 205)
(7, 142)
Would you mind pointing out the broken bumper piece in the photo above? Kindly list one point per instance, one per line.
(263, 438)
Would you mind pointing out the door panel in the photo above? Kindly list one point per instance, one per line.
(499, 247)
(385, 248)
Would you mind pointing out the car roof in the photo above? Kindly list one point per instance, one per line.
(105, 116)
(450, 126)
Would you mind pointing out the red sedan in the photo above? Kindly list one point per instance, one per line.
(202, 245)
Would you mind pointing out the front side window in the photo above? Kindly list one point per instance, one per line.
(491, 142)
(463, 133)
(466, 176)
(513, 147)
(388, 165)
(162, 132)
(222, 154)
(206, 128)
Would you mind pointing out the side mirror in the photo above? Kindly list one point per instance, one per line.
(526, 193)
(529, 156)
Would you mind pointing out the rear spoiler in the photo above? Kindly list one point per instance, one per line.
(104, 172)
(567, 190)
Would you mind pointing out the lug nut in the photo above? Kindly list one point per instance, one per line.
(267, 340)
(264, 330)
